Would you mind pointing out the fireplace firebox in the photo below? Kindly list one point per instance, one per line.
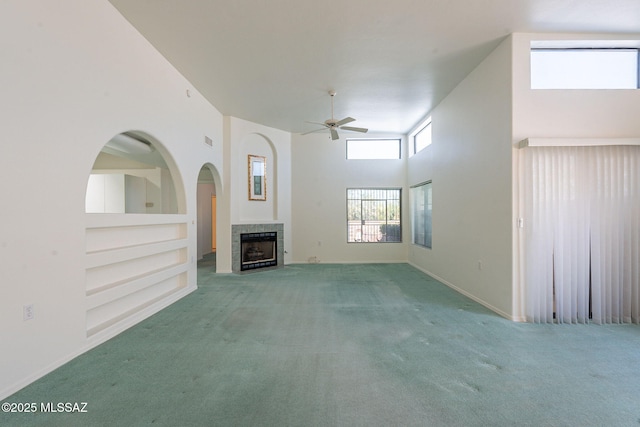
(258, 250)
(254, 233)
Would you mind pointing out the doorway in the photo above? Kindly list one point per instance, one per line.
(207, 207)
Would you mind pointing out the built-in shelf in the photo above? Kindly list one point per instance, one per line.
(132, 263)
(115, 255)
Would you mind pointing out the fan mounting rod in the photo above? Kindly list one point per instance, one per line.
(332, 93)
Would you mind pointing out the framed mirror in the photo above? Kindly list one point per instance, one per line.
(257, 178)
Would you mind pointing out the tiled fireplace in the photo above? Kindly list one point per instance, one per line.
(256, 247)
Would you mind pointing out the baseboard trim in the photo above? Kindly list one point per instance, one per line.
(98, 339)
(317, 261)
(467, 294)
(116, 329)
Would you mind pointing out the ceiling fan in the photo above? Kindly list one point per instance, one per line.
(333, 125)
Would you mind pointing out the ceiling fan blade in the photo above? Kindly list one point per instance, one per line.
(316, 123)
(334, 134)
(345, 121)
(315, 130)
(364, 130)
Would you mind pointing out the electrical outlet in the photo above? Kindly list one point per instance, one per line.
(27, 312)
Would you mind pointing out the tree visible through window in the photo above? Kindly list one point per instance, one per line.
(373, 215)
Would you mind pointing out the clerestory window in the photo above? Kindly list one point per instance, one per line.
(557, 67)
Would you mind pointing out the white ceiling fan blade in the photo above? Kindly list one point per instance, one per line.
(334, 125)
(345, 121)
(316, 123)
(315, 130)
(364, 130)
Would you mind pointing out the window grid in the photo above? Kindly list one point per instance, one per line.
(373, 215)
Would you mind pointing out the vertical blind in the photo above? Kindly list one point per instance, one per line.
(422, 212)
(581, 216)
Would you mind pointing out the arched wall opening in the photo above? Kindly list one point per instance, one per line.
(207, 209)
(136, 234)
(131, 175)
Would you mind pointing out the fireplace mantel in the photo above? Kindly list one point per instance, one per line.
(239, 229)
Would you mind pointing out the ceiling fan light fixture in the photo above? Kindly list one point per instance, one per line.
(333, 125)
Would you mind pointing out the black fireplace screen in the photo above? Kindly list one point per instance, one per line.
(258, 250)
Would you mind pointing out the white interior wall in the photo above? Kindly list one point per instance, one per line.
(569, 113)
(75, 74)
(254, 211)
(469, 163)
(321, 175)
(135, 194)
(130, 191)
(105, 193)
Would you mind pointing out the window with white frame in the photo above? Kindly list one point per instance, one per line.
(557, 67)
(421, 138)
(373, 215)
(373, 149)
(421, 196)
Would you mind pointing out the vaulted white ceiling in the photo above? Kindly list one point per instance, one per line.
(273, 61)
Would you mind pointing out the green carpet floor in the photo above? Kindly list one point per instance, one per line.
(344, 345)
